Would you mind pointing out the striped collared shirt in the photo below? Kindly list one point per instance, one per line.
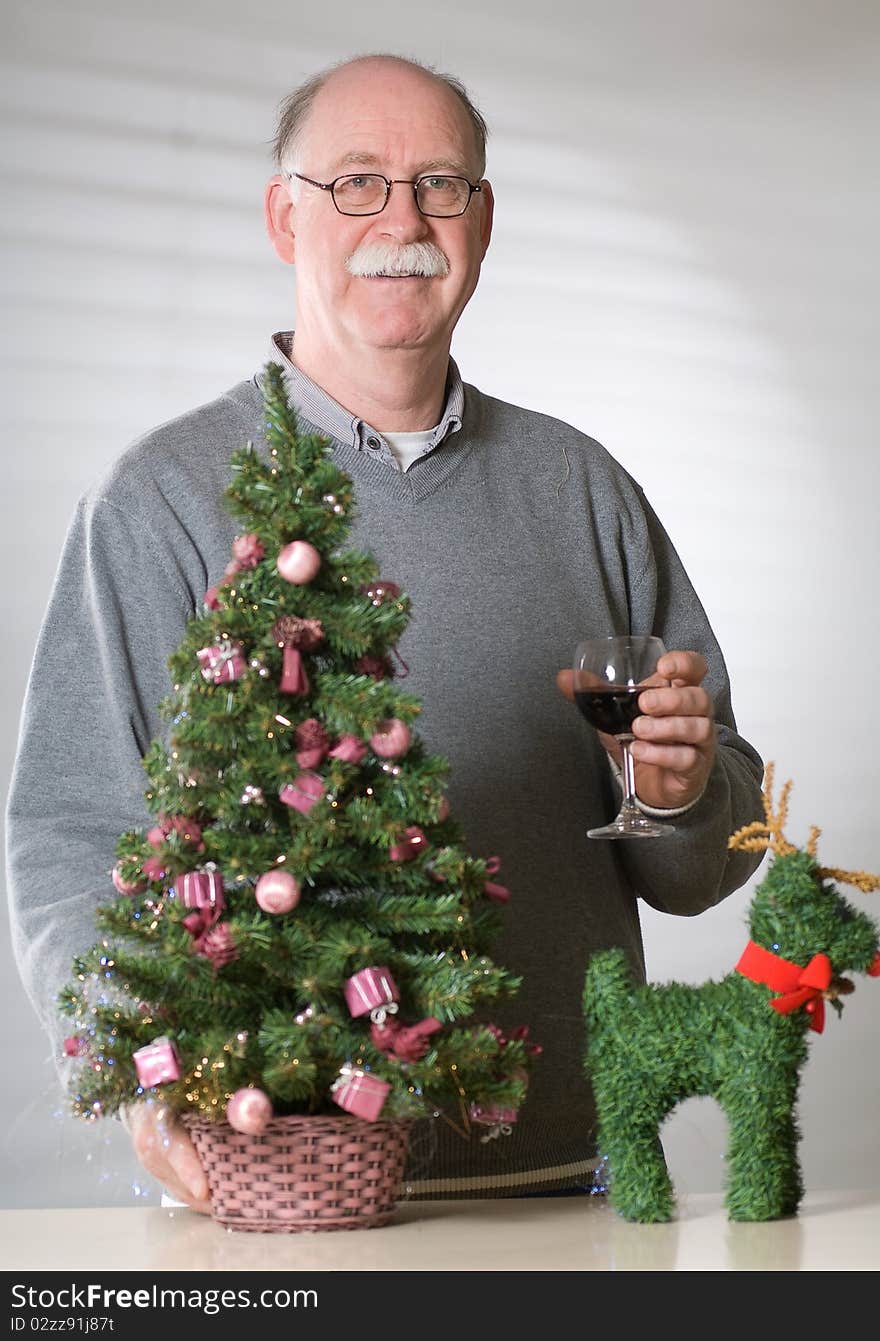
(329, 417)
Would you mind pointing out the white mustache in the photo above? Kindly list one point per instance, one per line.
(406, 258)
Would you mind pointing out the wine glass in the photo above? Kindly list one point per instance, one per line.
(609, 673)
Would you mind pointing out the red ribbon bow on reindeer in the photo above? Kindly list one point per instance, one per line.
(798, 986)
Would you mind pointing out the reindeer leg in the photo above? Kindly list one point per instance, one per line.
(639, 1186)
(763, 1176)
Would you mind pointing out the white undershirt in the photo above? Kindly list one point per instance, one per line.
(408, 447)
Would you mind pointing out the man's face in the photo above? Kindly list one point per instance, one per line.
(383, 118)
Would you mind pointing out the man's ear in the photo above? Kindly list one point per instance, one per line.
(488, 199)
(280, 213)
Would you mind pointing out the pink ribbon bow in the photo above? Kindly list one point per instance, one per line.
(198, 923)
(500, 893)
(296, 636)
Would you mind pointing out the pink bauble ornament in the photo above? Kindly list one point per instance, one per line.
(248, 1110)
(391, 739)
(123, 886)
(298, 562)
(277, 892)
(153, 868)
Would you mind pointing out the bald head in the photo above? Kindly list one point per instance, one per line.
(362, 73)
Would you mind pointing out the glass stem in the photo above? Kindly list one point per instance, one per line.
(629, 806)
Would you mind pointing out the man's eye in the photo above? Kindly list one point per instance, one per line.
(437, 183)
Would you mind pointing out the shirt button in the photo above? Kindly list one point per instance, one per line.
(373, 442)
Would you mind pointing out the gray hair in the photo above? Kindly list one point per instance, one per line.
(295, 109)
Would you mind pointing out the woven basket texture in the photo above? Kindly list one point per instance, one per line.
(303, 1173)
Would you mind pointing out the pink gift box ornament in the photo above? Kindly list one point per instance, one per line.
(360, 1093)
(157, 1062)
(303, 792)
(492, 1114)
(373, 990)
(222, 661)
(497, 1121)
(200, 889)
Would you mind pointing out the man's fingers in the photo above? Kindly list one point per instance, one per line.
(687, 701)
(180, 1192)
(685, 667)
(696, 730)
(565, 683)
(165, 1150)
(183, 1159)
(686, 760)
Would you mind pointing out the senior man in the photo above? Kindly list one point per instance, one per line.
(514, 534)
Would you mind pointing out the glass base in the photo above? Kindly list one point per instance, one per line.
(632, 826)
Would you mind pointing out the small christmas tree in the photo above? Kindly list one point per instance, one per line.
(302, 930)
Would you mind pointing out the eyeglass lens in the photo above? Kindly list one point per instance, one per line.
(365, 193)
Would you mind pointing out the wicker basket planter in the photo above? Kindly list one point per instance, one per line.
(303, 1173)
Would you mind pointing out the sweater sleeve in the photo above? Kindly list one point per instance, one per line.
(701, 871)
(116, 612)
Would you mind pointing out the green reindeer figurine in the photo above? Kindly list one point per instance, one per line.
(742, 1040)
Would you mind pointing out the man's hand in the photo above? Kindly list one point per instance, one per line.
(674, 746)
(163, 1147)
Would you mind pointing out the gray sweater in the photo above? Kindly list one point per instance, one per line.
(514, 537)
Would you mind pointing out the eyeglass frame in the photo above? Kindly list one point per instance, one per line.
(389, 182)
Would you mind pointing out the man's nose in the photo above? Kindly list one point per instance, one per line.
(401, 217)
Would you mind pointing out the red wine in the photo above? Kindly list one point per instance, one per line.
(612, 709)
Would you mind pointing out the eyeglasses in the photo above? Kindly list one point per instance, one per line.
(437, 197)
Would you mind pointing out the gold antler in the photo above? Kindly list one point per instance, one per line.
(759, 837)
(862, 880)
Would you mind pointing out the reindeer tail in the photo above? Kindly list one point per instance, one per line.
(608, 986)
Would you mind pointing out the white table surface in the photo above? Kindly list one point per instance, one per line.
(832, 1231)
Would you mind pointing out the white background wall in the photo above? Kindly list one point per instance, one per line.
(684, 266)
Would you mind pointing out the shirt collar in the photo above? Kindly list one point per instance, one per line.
(329, 417)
